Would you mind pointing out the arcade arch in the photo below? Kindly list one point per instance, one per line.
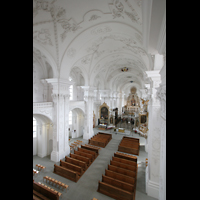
(43, 142)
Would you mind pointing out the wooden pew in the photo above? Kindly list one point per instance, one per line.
(97, 143)
(88, 147)
(109, 135)
(38, 196)
(122, 165)
(88, 151)
(125, 156)
(125, 161)
(81, 158)
(56, 182)
(73, 167)
(45, 191)
(90, 156)
(67, 173)
(117, 183)
(129, 145)
(114, 192)
(122, 171)
(101, 139)
(120, 177)
(76, 162)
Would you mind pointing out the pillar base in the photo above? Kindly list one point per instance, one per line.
(153, 189)
(55, 156)
(86, 136)
(67, 150)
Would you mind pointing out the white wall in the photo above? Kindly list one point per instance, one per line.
(43, 143)
(77, 124)
(37, 85)
(35, 146)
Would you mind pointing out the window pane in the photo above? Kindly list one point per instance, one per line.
(34, 128)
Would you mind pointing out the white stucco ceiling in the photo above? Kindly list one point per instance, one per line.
(96, 38)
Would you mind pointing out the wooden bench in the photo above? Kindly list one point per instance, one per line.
(97, 143)
(73, 167)
(59, 193)
(56, 182)
(76, 162)
(81, 158)
(114, 192)
(67, 173)
(35, 172)
(39, 188)
(122, 171)
(129, 145)
(88, 147)
(122, 165)
(125, 156)
(88, 151)
(101, 139)
(120, 177)
(90, 156)
(109, 135)
(38, 196)
(117, 183)
(40, 166)
(125, 161)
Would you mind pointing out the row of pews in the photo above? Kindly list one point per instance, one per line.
(100, 139)
(129, 145)
(41, 191)
(119, 181)
(74, 166)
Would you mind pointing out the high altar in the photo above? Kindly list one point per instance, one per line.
(133, 102)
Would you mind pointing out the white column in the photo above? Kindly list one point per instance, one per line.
(66, 120)
(89, 107)
(154, 137)
(161, 93)
(60, 136)
(45, 90)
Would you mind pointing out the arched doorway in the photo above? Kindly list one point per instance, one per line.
(76, 123)
(42, 135)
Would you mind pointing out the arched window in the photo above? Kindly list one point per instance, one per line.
(71, 92)
(70, 118)
(34, 127)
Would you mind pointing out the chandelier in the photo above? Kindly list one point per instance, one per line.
(124, 69)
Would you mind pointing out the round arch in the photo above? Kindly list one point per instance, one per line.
(77, 126)
(43, 142)
(49, 58)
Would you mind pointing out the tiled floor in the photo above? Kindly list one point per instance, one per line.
(86, 187)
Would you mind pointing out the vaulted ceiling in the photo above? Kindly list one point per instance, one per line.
(94, 39)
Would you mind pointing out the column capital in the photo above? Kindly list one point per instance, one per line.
(155, 77)
(88, 91)
(60, 86)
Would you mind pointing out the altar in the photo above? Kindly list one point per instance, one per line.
(105, 126)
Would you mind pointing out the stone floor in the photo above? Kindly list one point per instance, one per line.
(86, 187)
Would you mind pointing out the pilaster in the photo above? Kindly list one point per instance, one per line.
(60, 96)
(89, 107)
(154, 136)
(161, 94)
(45, 90)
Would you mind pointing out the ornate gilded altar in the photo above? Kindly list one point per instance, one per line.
(104, 114)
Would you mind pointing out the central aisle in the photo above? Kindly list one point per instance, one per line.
(86, 187)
